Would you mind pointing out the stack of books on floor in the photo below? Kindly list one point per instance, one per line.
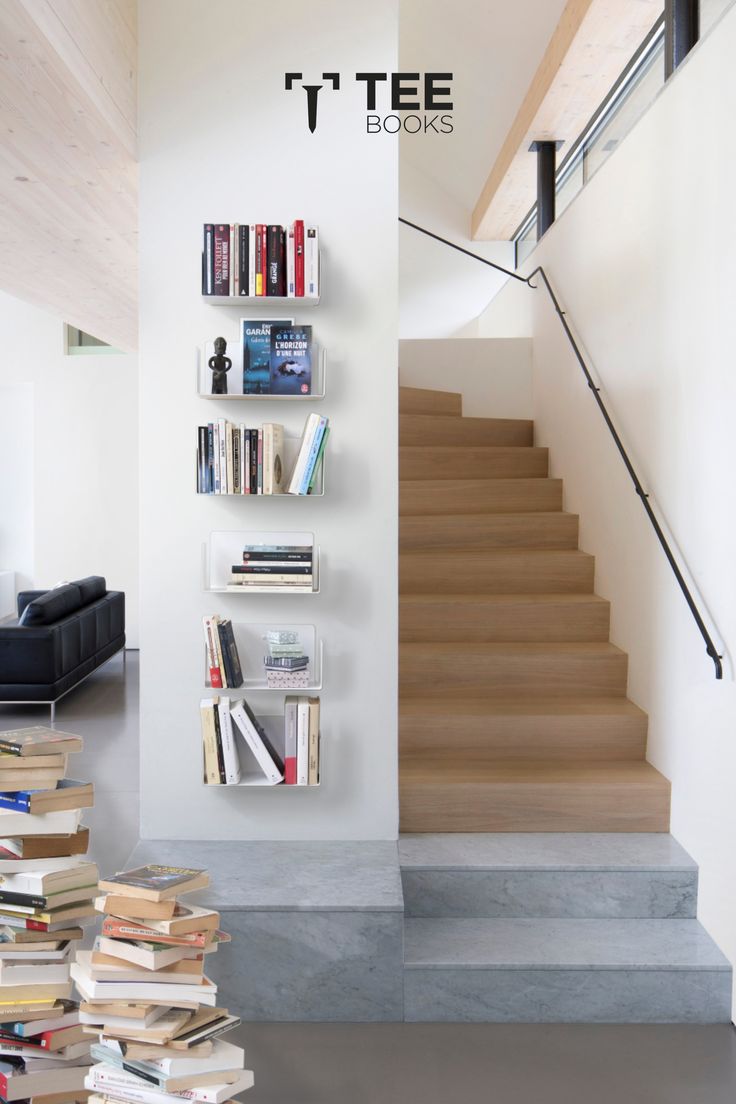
(310, 455)
(234, 460)
(275, 567)
(147, 999)
(255, 259)
(287, 668)
(46, 892)
(225, 722)
(223, 660)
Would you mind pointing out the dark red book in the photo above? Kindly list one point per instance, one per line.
(299, 257)
(222, 259)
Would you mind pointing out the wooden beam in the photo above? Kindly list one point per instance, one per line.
(591, 45)
(68, 174)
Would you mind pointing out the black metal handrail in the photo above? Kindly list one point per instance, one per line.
(638, 487)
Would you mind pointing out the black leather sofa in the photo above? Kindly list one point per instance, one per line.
(60, 637)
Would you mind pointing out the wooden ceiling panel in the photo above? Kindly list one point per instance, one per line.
(68, 173)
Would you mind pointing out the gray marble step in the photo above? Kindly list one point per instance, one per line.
(566, 875)
(581, 970)
(317, 928)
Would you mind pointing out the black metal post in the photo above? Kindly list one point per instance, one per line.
(546, 171)
(681, 31)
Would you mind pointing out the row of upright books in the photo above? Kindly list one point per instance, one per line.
(224, 719)
(232, 459)
(258, 259)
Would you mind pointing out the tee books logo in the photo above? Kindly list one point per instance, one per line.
(418, 103)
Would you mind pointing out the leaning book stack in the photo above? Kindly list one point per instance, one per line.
(251, 260)
(147, 999)
(46, 894)
(310, 455)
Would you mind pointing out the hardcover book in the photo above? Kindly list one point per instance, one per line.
(255, 340)
(155, 882)
(291, 360)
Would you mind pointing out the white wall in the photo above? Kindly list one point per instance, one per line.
(220, 139)
(644, 265)
(16, 483)
(78, 508)
(441, 292)
(494, 376)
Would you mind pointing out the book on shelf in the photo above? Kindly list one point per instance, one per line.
(290, 360)
(309, 456)
(46, 890)
(147, 998)
(223, 659)
(260, 260)
(255, 343)
(286, 665)
(287, 567)
(232, 459)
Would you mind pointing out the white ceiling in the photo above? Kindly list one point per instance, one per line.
(493, 47)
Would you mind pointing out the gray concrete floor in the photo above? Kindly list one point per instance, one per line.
(396, 1063)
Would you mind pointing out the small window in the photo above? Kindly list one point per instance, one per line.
(78, 342)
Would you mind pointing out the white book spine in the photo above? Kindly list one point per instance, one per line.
(229, 747)
(305, 448)
(229, 457)
(267, 459)
(246, 487)
(216, 455)
(290, 263)
(256, 745)
(222, 454)
(302, 742)
(243, 468)
(311, 262)
(252, 259)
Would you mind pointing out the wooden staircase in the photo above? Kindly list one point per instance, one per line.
(513, 711)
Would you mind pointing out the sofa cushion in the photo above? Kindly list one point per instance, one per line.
(91, 588)
(52, 606)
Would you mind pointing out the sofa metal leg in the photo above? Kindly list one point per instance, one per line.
(53, 713)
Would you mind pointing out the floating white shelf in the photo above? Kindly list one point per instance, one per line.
(291, 451)
(203, 381)
(262, 300)
(225, 548)
(252, 648)
(252, 776)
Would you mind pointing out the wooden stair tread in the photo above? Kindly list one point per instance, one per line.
(501, 599)
(430, 429)
(442, 772)
(511, 648)
(472, 462)
(541, 529)
(447, 497)
(518, 707)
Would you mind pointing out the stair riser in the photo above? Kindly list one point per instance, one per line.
(451, 995)
(494, 623)
(472, 463)
(420, 429)
(488, 531)
(415, 400)
(534, 807)
(608, 894)
(496, 573)
(477, 496)
(494, 739)
(532, 676)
